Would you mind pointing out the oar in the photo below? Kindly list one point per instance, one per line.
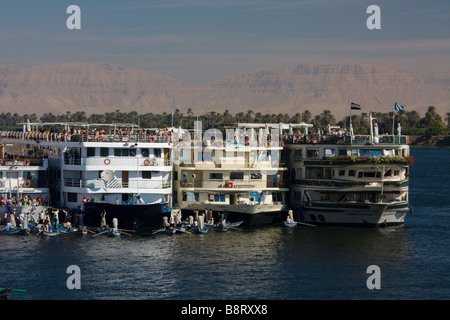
(100, 233)
(234, 228)
(127, 230)
(18, 290)
(39, 232)
(183, 231)
(306, 224)
(125, 233)
(157, 231)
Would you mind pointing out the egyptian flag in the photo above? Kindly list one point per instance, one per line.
(398, 107)
(355, 106)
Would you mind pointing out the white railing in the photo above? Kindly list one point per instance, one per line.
(117, 184)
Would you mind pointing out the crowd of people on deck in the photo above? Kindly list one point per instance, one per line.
(321, 136)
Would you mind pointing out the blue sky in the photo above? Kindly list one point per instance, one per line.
(204, 40)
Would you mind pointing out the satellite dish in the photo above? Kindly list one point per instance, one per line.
(107, 175)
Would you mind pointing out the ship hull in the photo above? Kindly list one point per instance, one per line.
(361, 214)
(137, 217)
(251, 215)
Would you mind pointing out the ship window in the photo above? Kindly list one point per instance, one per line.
(71, 197)
(351, 173)
(255, 176)
(90, 152)
(276, 197)
(342, 172)
(146, 174)
(236, 176)
(104, 152)
(343, 152)
(330, 153)
(117, 152)
(132, 152)
(145, 152)
(219, 198)
(215, 176)
(312, 153)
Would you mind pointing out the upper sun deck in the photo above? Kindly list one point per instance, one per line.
(344, 139)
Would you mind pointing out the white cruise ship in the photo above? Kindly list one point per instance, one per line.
(237, 173)
(341, 179)
(126, 171)
(24, 181)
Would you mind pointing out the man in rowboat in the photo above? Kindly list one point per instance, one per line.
(290, 218)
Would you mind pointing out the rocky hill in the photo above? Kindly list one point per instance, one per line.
(100, 88)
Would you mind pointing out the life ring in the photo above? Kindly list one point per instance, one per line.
(27, 184)
(146, 162)
(151, 139)
(26, 162)
(100, 139)
(282, 143)
(1, 162)
(107, 161)
(267, 144)
(219, 143)
(154, 162)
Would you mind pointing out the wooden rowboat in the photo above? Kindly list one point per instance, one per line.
(51, 233)
(290, 224)
(4, 292)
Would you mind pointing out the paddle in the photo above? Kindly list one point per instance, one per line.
(18, 290)
(39, 232)
(100, 233)
(125, 233)
(157, 231)
(90, 231)
(127, 230)
(306, 224)
(183, 231)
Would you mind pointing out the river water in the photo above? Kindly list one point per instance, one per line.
(267, 263)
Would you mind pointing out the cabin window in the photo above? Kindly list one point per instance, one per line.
(277, 197)
(219, 198)
(145, 152)
(256, 176)
(342, 172)
(71, 197)
(215, 176)
(312, 153)
(343, 152)
(146, 174)
(236, 176)
(351, 173)
(104, 152)
(90, 152)
(329, 153)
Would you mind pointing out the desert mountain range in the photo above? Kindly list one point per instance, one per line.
(100, 88)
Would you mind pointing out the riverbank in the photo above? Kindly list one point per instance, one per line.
(441, 141)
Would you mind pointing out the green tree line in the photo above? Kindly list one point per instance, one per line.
(412, 123)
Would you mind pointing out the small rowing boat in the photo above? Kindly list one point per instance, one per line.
(290, 224)
(114, 233)
(4, 292)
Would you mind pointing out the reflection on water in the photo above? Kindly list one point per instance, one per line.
(327, 262)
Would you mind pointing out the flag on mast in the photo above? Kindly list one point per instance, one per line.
(355, 106)
(398, 107)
